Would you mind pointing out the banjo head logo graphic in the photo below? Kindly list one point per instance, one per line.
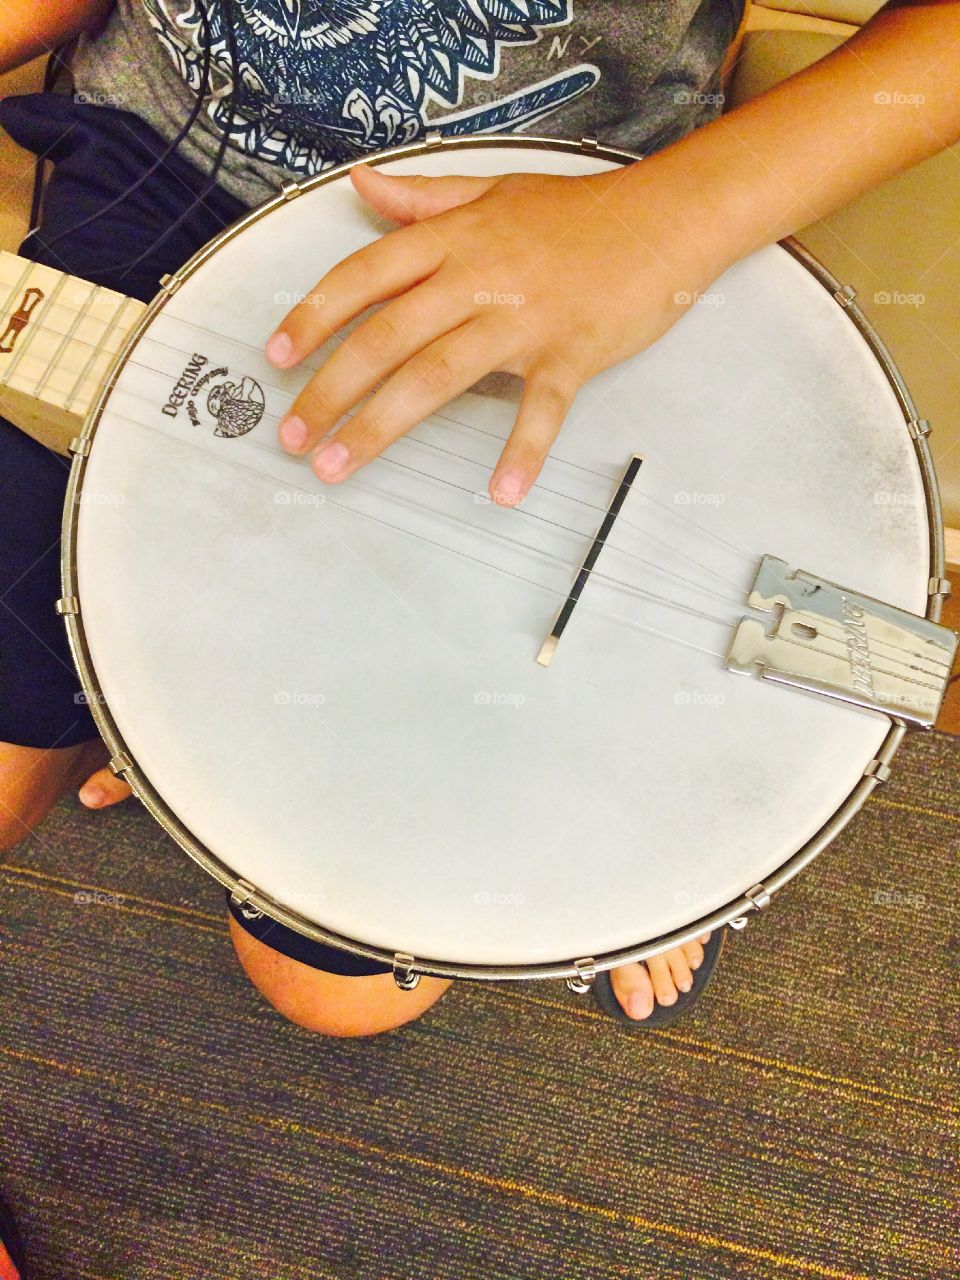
(230, 403)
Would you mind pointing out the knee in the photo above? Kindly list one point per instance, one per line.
(327, 1002)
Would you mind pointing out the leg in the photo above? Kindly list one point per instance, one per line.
(330, 1002)
(32, 779)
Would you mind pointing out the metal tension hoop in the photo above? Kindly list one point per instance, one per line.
(836, 642)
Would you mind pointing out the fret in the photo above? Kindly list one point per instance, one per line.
(57, 355)
(104, 351)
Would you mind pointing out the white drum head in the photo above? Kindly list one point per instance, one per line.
(335, 690)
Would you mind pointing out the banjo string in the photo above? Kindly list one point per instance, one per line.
(713, 538)
(561, 594)
(624, 521)
(738, 604)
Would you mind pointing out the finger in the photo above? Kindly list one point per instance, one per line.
(435, 375)
(378, 271)
(103, 789)
(547, 398)
(662, 980)
(384, 342)
(679, 969)
(409, 198)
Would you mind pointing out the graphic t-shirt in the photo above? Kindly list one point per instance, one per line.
(324, 81)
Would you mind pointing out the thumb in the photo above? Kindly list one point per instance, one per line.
(409, 199)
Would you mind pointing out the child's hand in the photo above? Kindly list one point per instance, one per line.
(551, 278)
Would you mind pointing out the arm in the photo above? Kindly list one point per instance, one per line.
(555, 279)
(881, 102)
(34, 27)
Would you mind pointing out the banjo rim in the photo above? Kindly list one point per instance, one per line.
(578, 972)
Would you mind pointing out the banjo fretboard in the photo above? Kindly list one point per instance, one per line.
(59, 336)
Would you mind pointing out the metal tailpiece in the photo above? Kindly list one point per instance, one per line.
(836, 642)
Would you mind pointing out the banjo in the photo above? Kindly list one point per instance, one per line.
(469, 740)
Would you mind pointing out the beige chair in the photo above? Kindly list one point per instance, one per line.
(16, 166)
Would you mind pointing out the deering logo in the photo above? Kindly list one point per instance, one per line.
(232, 404)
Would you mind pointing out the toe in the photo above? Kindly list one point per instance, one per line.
(662, 979)
(679, 969)
(633, 989)
(102, 789)
(693, 952)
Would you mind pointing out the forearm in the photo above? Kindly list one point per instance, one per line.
(883, 101)
(33, 27)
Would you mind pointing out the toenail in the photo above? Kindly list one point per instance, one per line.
(638, 1006)
(684, 986)
(665, 999)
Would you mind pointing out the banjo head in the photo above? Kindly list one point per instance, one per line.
(331, 696)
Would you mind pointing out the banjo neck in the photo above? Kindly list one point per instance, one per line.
(59, 336)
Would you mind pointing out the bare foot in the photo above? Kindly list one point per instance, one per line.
(102, 788)
(659, 980)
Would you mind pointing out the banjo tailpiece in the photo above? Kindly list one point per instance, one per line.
(829, 640)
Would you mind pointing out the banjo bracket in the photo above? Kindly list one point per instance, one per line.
(404, 974)
(585, 977)
(759, 897)
(829, 640)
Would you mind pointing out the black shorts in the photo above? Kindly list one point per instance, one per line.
(98, 153)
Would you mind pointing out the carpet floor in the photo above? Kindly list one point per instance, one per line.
(158, 1119)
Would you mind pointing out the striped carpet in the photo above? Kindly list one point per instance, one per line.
(159, 1120)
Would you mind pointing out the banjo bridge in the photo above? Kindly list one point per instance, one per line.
(829, 640)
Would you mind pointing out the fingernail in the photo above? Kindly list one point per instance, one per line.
(279, 349)
(330, 460)
(92, 796)
(638, 1007)
(510, 488)
(293, 432)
